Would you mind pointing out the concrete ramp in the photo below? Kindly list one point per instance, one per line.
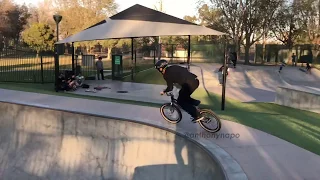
(298, 97)
(37, 143)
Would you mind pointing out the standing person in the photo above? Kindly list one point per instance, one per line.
(281, 67)
(234, 59)
(294, 63)
(99, 66)
(308, 68)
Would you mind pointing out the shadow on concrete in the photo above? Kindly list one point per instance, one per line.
(260, 95)
(172, 171)
(249, 90)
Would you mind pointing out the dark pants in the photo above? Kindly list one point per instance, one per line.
(234, 63)
(185, 101)
(100, 72)
(280, 68)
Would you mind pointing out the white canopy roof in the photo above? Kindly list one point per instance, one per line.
(142, 22)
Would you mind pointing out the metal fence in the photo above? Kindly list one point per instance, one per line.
(280, 53)
(25, 66)
(86, 64)
(200, 53)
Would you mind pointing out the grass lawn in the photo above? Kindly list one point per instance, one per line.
(296, 126)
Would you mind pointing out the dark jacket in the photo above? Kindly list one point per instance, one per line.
(179, 75)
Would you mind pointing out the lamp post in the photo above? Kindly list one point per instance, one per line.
(224, 75)
(57, 18)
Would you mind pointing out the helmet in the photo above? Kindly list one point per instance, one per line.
(161, 64)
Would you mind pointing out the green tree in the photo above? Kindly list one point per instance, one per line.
(230, 20)
(310, 16)
(13, 19)
(256, 20)
(112, 43)
(192, 19)
(296, 22)
(39, 37)
(79, 15)
(42, 13)
(247, 20)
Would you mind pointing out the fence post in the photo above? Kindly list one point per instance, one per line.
(135, 61)
(41, 62)
(73, 68)
(132, 59)
(154, 57)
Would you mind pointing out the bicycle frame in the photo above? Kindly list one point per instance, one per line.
(173, 100)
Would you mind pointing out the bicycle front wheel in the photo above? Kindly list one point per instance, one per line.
(171, 113)
(211, 122)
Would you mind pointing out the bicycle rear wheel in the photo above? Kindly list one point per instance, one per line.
(170, 110)
(210, 118)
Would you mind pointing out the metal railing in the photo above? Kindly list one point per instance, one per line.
(24, 66)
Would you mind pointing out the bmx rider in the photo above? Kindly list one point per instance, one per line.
(189, 83)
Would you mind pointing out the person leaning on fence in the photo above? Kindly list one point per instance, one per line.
(99, 66)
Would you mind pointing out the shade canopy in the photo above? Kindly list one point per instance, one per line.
(139, 21)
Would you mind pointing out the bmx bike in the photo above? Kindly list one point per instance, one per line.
(174, 107)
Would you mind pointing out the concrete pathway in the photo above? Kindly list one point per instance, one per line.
(261, 156)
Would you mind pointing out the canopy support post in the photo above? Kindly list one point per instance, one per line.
(189, 52)
(132, 54)
(73, 68)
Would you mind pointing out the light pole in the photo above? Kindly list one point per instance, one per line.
(57, 18)
(223, 100)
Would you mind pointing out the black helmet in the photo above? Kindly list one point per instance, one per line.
(161, 64)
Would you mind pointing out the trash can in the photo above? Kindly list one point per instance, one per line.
(117, 69)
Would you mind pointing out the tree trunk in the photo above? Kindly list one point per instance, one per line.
(37, 56)
(238, 49)
(247, 50)
(109, 53)
(264, 48)
(246, 56)
(290, 55)
(277, 56)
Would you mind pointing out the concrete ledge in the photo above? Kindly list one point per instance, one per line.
(230, 167)
(300, 98)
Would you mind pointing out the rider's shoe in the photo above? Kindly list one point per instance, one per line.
(197, 103)
(200, 118)
(198, 109)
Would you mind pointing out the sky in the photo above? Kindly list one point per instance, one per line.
(177, 8)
